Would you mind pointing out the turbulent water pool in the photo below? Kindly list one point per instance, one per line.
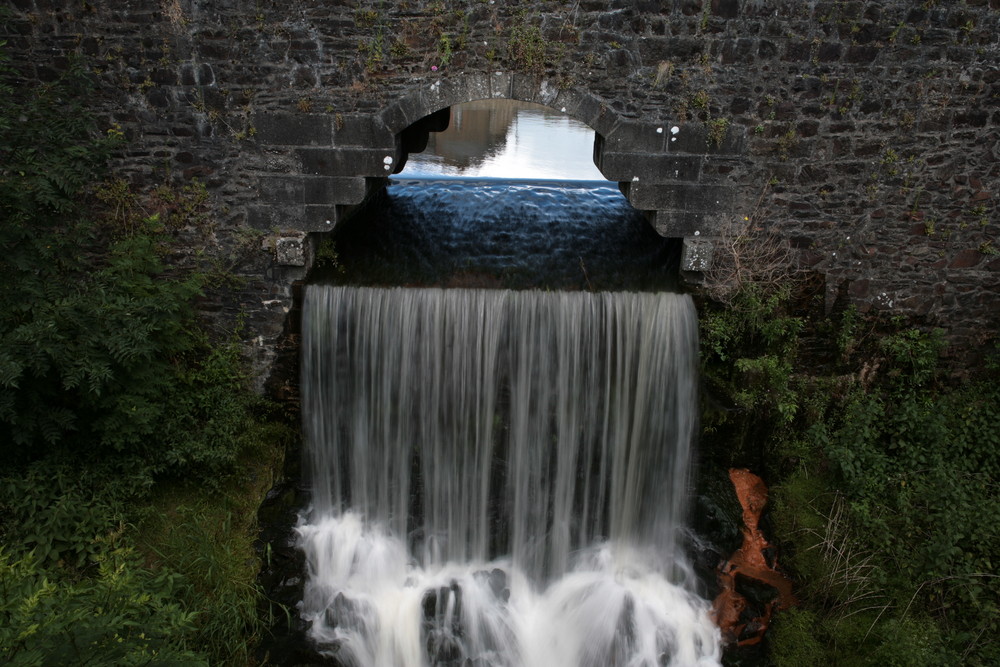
(500, 478)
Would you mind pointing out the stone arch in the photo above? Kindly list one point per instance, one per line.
(676, 174)
(424, 109)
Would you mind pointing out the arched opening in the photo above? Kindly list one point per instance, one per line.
(499, 192)
(504, 138)
(682, 177)
(677, 175)
(428, 110)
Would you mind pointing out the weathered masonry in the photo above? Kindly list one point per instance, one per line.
(864, 134)
(671, 174)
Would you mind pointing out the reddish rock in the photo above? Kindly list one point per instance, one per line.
(859, 288)
(965, 259)
(753, 566)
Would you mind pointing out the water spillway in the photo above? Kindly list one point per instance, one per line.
(500, 478)
(516, 234)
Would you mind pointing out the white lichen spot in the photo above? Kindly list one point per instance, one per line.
(697, 233)
(328, 222)
(387, 160)
(673, 138)
(884, 300)
(675, 130)
(563, 110)
(659, 130)
(635, 179)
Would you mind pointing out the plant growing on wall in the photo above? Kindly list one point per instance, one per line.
(526, 46)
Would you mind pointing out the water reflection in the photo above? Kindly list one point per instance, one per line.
(511, 140)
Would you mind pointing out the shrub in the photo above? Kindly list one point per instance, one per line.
(122, 616)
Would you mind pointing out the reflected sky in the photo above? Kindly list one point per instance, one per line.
(510, 140)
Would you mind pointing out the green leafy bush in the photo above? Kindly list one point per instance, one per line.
(109, 390)
(921, 470)
(52, 512)
(748, 351)
(884, 480)
(124, 615)
(100, 355)
(894, 523)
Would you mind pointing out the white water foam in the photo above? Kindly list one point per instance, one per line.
(499, 478)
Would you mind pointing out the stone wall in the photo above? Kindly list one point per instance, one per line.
(865, 134)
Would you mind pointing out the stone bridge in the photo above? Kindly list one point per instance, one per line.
(675, 175)
(861, 135)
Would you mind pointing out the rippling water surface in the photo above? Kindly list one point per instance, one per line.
(493, 233)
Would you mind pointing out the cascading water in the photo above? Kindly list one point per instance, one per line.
(499, 478)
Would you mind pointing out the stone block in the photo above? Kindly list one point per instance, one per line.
(797, 52)
(405, 111)
(274, 218)
(697, 138)
(727, 9)
(321, 218)
(527, 87)
(293, 129)
(651, 168)
(696, 254)
(500, 84)
(632, 136)
(445, 92)
(588, 109)
(319, 190)
(290, 250)
(738, 51)
(861, 54)
(677, 224)
(683, 197)
(347, 162)
(673, 49)
(361, 130)
(281, 189)
(286, 219)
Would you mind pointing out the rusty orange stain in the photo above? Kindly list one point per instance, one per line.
(750, 561)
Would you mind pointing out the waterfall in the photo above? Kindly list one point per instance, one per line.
(500, 478)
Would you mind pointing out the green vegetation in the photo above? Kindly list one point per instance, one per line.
(135, 455)
(717, 129)
(526, 46)
(884, 478)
